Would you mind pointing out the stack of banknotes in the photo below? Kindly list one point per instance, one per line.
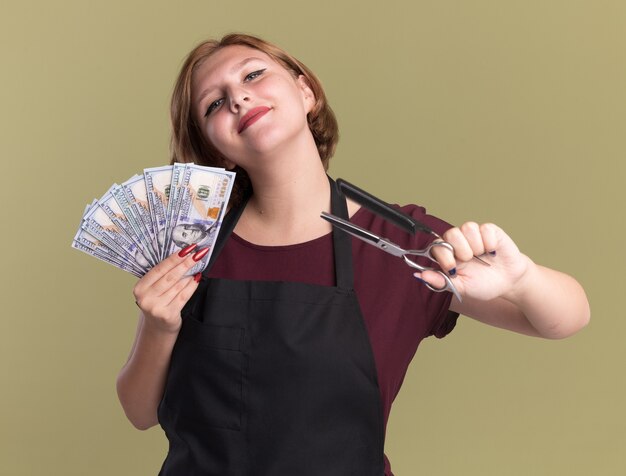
(139, 223)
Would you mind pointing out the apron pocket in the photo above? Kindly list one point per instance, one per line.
(205, 381)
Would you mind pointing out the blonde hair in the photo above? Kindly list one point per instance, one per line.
(188, 143)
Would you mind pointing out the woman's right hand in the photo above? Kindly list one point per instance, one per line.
(164, 290)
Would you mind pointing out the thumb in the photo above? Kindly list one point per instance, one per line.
(430, 277)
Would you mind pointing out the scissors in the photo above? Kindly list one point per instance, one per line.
(399, 219)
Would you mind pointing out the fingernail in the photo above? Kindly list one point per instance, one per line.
(452, 272)
(200, 254)
(419, 279)
(186, 250)
(197, 277)
(492, 253)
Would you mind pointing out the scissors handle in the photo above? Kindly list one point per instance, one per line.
(428, 251)
(449, 286)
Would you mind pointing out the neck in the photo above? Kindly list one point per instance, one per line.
(288, 197)
(286, 193)
(288, 179)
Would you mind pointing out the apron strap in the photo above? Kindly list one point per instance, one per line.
(228, 225)
(342, 242)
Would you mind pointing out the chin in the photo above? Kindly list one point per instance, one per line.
(269, 140)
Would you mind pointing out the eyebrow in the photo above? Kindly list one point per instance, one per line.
(204, 93)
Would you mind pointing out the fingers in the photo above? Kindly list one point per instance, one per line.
(490, 235)
(165, 289)
(433, 278)
(166, 265)
(468, 240)
(168, 272)
(180, 299)
(170, 296)
(445, 258)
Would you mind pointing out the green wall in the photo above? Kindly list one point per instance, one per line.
(511, 112)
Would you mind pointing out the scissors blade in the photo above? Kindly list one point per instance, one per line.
(387, 246)
(363, 234)
(348, 227)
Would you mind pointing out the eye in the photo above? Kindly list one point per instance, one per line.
(254, 75)
(213, 106)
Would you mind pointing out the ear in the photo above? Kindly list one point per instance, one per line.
(307, 93)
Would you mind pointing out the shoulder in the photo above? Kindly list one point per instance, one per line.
(376, 224)
(407, 305)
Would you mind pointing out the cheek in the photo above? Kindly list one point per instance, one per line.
(219, 133)
(215, 132)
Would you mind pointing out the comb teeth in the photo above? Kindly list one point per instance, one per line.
(382, 209)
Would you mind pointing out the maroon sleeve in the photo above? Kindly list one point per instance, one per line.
(445, 325)
(447, 319)
(380, 276)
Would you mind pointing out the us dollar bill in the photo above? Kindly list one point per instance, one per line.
(177, 186)
(87, 243)
(132, 200)
(107, 257)
(202, 194)
(158, 181)
(139, 223)
(98, 224)
(125, 221)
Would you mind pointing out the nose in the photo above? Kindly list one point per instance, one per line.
(237, 98)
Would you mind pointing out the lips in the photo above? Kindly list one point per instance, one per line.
(251, 117)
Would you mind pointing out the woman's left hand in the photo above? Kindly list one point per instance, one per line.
(473, 279)
(512, 292)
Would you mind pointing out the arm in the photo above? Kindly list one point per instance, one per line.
(513, 292)
(160, 294)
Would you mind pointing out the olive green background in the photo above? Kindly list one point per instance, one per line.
(511, 112)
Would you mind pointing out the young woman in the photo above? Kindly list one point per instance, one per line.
(284, 356)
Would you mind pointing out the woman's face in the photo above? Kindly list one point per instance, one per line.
(247, 104)
(187, 234)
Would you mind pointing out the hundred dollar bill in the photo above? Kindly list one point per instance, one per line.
(158, 181)
(89, 244)
(135, 195)
(150, 216)
(135, 227)
(97, 223)
(179, 179)
(117, 264)
(96, 246)
(203, 194)
(102, 253)
(125, 222)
